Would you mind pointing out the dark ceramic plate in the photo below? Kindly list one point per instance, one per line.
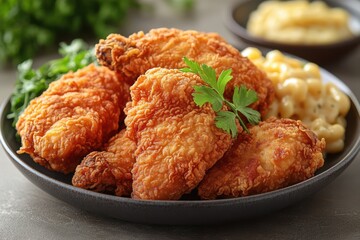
(185, 211)
(238, 14)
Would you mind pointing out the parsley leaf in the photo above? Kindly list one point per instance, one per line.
(226, 120)
(204, 94)
(214, 94)
(242, 98)
(224, 78)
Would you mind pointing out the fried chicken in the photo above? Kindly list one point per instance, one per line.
(77, 114)
(177, 141)
(277, 153)
(109, 170)
(166, 48)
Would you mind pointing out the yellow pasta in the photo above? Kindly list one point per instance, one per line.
(301, 94)
(299, 21)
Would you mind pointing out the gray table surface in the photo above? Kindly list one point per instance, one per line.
(27, 212)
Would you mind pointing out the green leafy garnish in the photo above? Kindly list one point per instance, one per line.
(30, 82)
(30, 27)
(214, 94)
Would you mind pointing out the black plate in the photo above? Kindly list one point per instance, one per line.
(185, 211)
(238, 14)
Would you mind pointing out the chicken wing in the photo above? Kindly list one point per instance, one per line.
(277, 153)
(109, 170)
(131, 57)
(177, 141)
(77, 114)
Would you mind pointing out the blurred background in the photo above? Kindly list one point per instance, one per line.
(29, 28)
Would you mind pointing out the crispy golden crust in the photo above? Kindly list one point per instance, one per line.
(131, 57)
(74, 116)
(177, 141)
(109, 170)
(277, 153)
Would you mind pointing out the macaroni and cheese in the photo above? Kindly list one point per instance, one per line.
(301, 94)
(299, 21)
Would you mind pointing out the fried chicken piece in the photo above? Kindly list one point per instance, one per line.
(177, 141)
(166, 48)
(109, 170)
(277, 153)
(77, 114)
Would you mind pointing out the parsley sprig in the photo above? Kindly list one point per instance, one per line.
(214, 94)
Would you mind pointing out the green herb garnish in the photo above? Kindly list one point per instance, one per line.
(30, 27)
(30, 82)
(214, 94)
